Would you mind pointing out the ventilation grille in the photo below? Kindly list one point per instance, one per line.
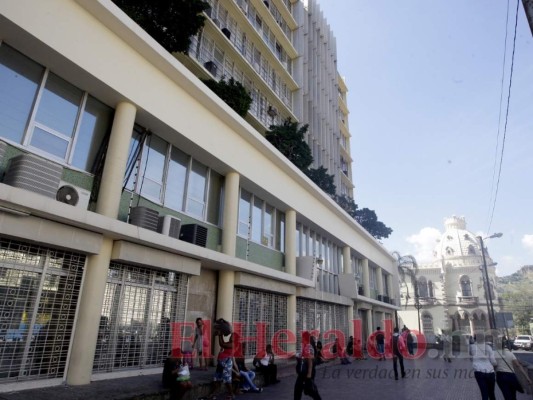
(27, 171)
(195, 234)
(144, 217)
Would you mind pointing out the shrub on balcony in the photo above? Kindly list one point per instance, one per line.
(233, 93)
(170, 22)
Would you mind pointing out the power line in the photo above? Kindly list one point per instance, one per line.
(506, 116)
(500, 113)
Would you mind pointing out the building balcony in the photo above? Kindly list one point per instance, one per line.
(467, 300)
(427, 301)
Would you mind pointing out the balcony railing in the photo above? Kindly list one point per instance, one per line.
(467, 300)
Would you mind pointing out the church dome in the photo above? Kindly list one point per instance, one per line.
(456, 241)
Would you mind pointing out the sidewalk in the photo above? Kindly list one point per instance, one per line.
(427, 378)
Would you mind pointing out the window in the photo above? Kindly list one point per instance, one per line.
(244, 213)
(196, 190)
(40, 110)
(260, 222)
(466, 286)
(175, 180)
(422, 287)
(471, 250)
(430, 289)
(152, 169)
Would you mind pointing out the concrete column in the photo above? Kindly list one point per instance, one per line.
(472, 327)
(226, 285)
(347, 260)
(290, 242)
(90, 309)
(392, 293)
(350, 323)
(116, 160)
(231, 214)
(366, 278)
(379, 281)
(291, 321)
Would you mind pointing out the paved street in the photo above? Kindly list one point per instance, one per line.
(426, 378)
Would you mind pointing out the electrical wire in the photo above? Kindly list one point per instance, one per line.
(494, 168)
(506, 117)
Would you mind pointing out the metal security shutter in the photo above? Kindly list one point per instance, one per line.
(322, 316)
(135, 326)
(253, 306)
(39, 291)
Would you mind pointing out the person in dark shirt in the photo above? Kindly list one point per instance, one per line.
(380, 343)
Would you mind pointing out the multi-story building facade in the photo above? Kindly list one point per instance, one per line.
(285, 54)
(132, 197)
(451, 290)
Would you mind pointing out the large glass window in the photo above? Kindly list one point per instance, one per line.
(168, 176)
(244, 213)
(260, 222)
(196, 190)
(152, 168)
(41, 110)
(19, 81)
(176, 179)
(95, 122)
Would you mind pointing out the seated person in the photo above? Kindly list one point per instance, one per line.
(246, 376)
(176, 376)
(319, 359)
(264, 362)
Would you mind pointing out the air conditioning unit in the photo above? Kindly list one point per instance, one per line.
(195, 234)
(144, 217)
(73, 195)
(33, 173)
(170, 226)
(227, 33)
(211, 67)
(380, 297)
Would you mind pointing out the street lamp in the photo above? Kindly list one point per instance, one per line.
(418, 306)
(490, 306)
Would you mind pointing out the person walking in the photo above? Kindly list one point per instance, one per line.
(380, 343)
(506, 366)
(305, 368)
(446, 347)
(483, 363)
(397, 345)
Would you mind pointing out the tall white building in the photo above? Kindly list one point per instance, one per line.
(285, 54)
(451, 288)
(133, 197)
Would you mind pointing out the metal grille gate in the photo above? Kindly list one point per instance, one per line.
(39, 291)
(311, 314)
(135, 326)
(252, 306)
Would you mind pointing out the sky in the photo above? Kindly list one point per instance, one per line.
(427, 96)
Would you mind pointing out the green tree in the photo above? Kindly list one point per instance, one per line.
(170, 22)
(517, 298)
(369, 220)
(347, 204)
(322, 179)
(290, 141)
(233, 93)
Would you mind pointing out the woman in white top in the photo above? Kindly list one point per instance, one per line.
(483, 363)
(505, 372)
